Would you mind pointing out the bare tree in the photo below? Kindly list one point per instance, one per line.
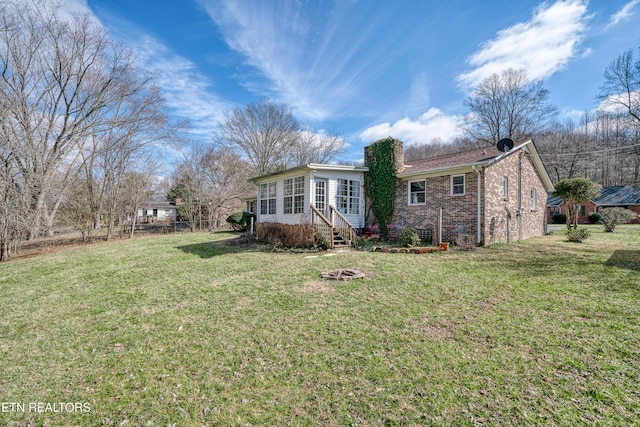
(225, 181)
(60, 83)
(13, 205)
(78, 210)
(134, 191)
(264, 132)
(507, 105)
(209, 179)
(621, 86)
(188, 185)
(312, 147)
(139, 124)
(271, 139)
(565, 149)
(438, 148)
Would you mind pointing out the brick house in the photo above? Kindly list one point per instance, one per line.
(623, 196)
(486, 197)
(555, 205)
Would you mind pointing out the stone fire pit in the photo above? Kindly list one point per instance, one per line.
(342, 274)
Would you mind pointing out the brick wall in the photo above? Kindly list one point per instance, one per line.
(459, 212)
(501, 222)
(589, 207)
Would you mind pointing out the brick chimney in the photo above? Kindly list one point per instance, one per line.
(398, 153)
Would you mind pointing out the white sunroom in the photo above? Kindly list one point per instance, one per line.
(310, 203)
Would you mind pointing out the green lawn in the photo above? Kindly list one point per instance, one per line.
(185, 330)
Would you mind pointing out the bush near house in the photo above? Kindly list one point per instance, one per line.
(409, 237)
(559, 218)
(610, 218)
(577, 235)
(240, 221)
(594, 217)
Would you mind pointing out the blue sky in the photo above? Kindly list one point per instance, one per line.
(365, 68)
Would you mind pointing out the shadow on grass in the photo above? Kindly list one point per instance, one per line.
(208, 249)
(224, 247)
(625, 259)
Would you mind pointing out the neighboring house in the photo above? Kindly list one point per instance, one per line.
(251, 204)
(158, 211)
(555, 205)
(623, 196)
(486, 196)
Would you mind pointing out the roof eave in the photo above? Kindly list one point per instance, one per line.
(447, 170)
(530, 148)
(310, 167)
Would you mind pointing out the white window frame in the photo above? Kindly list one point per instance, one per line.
(348, 196)
(293, 201)
(464, 179)
(534, 199)
(268, 194)
(505, 187)
(417, 193)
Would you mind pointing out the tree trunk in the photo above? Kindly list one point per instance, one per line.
(133, 227)
(4, 250)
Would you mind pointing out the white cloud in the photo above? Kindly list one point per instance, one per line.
(574, 115)
(623, 14)
(270, 40)
(542, 45)
(418, 95)
(186, 90)
(620, 103)
(72, 7)
(319, 60)
(433, 124)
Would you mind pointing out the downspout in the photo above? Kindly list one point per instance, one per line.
(479, 207)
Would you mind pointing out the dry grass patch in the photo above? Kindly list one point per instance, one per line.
(321, 286)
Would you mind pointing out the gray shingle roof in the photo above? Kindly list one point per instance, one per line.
(620, 195)
(554, 201)
(617, 195)
(469, 157)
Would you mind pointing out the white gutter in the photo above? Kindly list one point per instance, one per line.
(479, 211)
(445, 170)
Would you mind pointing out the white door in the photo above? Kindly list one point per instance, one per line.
(321, 196)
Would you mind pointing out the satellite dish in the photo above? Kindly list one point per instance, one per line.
(505, 144)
